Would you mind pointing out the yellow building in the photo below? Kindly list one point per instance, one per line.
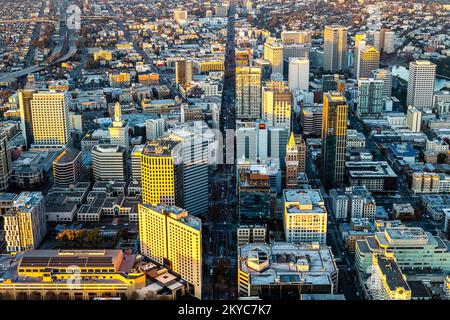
(124, 46)
(248, 93)
(277, 104)
(388, 281)
(103, 54)
(369, 60)
(149, 78)
(25, 224)
(170, 236)
(334, 47)
(273, 52)
(161, 173)
(210, 65)
(119, 79)
(50, 107)
(72, 275)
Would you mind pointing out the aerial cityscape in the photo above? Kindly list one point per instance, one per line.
(248, 150)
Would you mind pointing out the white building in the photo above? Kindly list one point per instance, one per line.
(304, 216)
(353, 202)
(258, 141)
(154, 128)
(298, 74)
(414, 119)
(108, 162)
(421, 80)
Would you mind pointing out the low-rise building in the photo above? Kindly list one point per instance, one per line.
(279, 270)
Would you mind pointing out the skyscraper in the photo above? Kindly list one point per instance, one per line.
(370, 96)
(334, 134)
(50, 107)
(26, 118)
(389, 42)
(183, 71)
(5, 162)
(298, 74)
(248, 93)
(421, 79)
(386, 76)
(170, 236)
(194, 152)
(277, 104)
(360, 41)
(161, 173)
(273, 52)
(118, 131)
(258, 141)
(369, 60)
(334, 47)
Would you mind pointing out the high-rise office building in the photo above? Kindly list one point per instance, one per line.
(258, 141)
(169, 235)
(194, 153)
(5, 162)
(25, 223)
(333, 82)
(67, 168)
(370, 96)
(273, 52)
(154, 128)
(386, 76)
(389, 42)
(369, 60)
(421, 79)
(248, 93)
(334, 47)
(360, 41)
(304, 216)
(50, 107)
(298, 74)
(162, 173)
(277, 104)
(334, 133)
(118, 131)
(26, 118)
(108, 162)
(183, 71)
(414, 119)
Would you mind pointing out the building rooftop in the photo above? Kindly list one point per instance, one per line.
(287, 263)
(67, 156)
(160, 148)
(369, 169)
